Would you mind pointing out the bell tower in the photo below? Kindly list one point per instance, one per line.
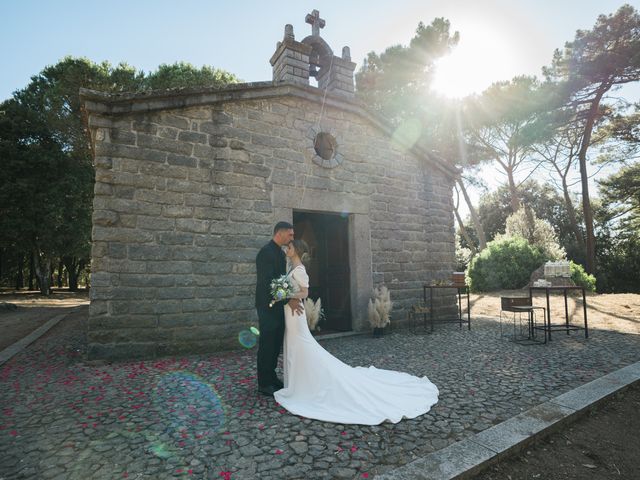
(295, 62)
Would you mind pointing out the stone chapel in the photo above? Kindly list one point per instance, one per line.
(190, 182)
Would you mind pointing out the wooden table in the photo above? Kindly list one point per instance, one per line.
(566, 325)
(459, 289)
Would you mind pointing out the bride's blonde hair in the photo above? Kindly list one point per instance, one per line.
(302, 250)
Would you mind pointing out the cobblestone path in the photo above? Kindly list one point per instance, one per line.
(200, 416)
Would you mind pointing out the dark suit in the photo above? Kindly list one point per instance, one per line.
(270, 264)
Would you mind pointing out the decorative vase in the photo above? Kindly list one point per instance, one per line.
(378, 332)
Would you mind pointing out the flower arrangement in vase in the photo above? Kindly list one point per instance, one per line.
(380, 310)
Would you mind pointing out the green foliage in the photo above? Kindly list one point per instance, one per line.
(621, 193)
(582, 278)
(537, 232)
(184, 75)
(505, 264)
(546, 203)
(618, 255)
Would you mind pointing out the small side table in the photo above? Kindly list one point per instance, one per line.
(460, 289)
(567, 326)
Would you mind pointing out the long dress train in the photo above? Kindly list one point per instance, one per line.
(318, 385)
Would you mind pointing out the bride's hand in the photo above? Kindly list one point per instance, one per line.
(295, 304)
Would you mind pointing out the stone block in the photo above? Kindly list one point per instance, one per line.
(192, 225)
(182, 160)
(199, 305)
(177, 211)
(123, 137)
(197, 200)
(122, 235)
(185, 186)
(283, 177)
(177, 293)
(164, 144)
(164, 171)
(188, 252)
(125, 151)
(155, 223)
(175, 238)
(193, 137)
(253, 170)
(154, 196)
(169, 265)
(98, 308)
(148, 252)
(146, 280)
(175, 121)
(269, 141)
(104, 218)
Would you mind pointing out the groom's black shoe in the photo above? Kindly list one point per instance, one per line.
(278, 384)
(268, 390)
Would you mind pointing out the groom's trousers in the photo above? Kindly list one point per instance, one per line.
(271, 321)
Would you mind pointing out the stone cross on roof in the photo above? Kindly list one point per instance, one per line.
(316, 22)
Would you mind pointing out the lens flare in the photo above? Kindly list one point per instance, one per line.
(189, 407)
(407, 134)
(247, 338)
(160, 450)
(255, 331)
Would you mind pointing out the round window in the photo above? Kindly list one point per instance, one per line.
(325, 145)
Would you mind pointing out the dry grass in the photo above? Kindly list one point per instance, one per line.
(619, 312)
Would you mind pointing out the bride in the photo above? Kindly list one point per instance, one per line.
(318, 385)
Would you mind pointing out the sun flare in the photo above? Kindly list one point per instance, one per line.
(473, 65)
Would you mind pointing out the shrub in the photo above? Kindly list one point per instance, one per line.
(582, 278)
(506, 263)
(536, 231)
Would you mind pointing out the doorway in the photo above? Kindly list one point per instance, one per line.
(327, 235)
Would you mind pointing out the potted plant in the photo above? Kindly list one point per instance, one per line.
(380, 310)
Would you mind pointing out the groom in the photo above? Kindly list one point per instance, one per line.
(271, 263)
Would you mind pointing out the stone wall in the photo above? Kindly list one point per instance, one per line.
(186, 195)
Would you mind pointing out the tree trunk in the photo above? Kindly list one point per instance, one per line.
(482, 239)
(513, 192)
(32, 270)
(464, 232)
(571, 212)
(74, 267)
(43, 271)
(590, 244)
(20, 273)
(59, 277)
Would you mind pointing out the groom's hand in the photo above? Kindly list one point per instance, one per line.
(296, 306)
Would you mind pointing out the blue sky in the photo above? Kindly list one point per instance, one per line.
(241, 36)
(499, 38)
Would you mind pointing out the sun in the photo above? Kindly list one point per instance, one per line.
(477, 62)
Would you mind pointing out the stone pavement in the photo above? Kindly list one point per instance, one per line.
(200, 417)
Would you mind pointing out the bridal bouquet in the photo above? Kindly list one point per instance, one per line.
(281, 287)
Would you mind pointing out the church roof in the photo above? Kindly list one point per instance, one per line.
(127, 103)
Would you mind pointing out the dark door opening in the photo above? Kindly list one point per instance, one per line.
(329, 279)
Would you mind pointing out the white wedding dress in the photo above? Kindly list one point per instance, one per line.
(318, 385)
